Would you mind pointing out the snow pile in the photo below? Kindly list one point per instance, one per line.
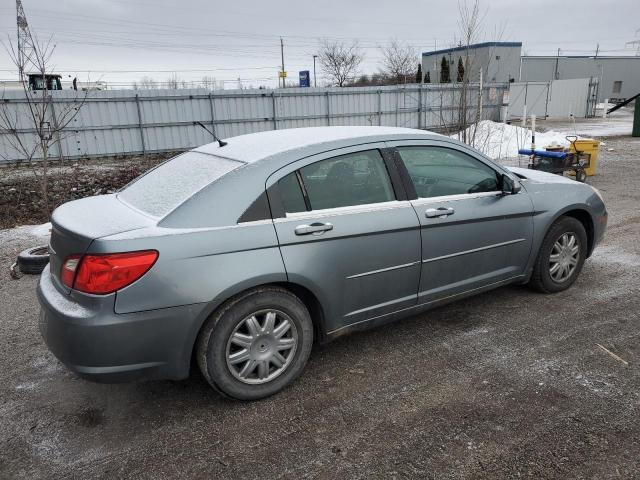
(43, 230)
(499, 140)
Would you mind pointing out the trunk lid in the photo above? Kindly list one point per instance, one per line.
(76, 224)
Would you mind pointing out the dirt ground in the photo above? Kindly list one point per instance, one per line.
(20, 185)
(506, 384)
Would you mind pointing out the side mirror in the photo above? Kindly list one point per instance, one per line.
(509, 185)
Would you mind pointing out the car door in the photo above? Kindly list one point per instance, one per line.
(473, 235)
(347, 232)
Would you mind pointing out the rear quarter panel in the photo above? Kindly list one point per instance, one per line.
(197, 265)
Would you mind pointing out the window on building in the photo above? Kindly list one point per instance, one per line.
(617, 86)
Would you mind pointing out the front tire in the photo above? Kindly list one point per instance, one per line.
(561, 256)
(256, 344)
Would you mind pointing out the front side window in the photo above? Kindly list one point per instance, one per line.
(439, 171)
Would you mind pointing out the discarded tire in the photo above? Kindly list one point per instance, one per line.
(33, 260)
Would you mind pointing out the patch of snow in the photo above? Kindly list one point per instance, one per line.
(499, 140)
(26, 386)
(43, 230)
(25, 232)
(540, 176)
(610, 254)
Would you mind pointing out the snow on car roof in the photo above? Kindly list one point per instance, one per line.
(255, 146)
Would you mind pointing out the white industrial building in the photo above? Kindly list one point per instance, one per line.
(619, 77)
(500, 61)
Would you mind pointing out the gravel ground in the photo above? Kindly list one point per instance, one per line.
(506, 384)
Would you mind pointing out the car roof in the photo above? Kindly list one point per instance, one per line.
(257, 146)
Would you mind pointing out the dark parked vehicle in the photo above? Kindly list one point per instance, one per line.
(239, 256)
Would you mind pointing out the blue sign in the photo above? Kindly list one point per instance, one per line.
(304, 78)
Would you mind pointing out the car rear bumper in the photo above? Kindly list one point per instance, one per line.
(98, 344)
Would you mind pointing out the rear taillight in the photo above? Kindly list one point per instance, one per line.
(106, 273)
(68, 271)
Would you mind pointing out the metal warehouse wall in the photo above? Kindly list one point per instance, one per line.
(554, 99)
(118, 122)
(607, 69)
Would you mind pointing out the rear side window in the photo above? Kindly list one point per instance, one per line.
(167, 186)
(291, 194)
(353, 179)
(439, 171)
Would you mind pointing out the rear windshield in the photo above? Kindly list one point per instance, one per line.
(167, 186)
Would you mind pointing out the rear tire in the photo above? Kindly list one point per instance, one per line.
(559, 262)
(268, 326)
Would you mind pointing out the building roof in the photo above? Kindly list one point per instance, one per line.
(593, 57)
(256, 146)
(471, 47)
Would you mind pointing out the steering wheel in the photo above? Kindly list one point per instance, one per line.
(486, 185)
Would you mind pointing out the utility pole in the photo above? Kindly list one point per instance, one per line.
(597, 50)
(315, 84)
(282, 56)
(26, 46)
(557, 75)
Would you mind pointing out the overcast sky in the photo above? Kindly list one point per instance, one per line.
(121, 41)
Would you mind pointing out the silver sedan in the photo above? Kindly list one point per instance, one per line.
(239, 255)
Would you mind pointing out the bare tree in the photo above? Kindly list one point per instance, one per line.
(339, 62)
(208, 82)
(470, 23)
(398, 61)
(31, 126)
(147, 83)
(173, 81)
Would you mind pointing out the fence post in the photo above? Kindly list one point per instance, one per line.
(275, 114)
(213, 116)
(56, 126)
(397, 103)
(326, 94)
(379, 107)
(546, 105)
(144, 148)
(419, 105)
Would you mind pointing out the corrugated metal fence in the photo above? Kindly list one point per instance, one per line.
(119, 122)
(554, 99)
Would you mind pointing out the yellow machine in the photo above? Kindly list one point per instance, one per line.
(590, 147)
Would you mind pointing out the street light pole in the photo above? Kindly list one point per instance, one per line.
(314, 70)
(282, 56)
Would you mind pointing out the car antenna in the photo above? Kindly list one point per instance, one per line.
(220, 142)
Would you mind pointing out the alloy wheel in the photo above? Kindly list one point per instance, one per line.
(564, 257)
(261, 346)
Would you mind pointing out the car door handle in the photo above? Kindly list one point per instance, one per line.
(442, 212)
(315, 228)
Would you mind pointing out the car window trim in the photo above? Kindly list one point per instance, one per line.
(399, 188)
(454, 198)
(303, 188)
(351, 209)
